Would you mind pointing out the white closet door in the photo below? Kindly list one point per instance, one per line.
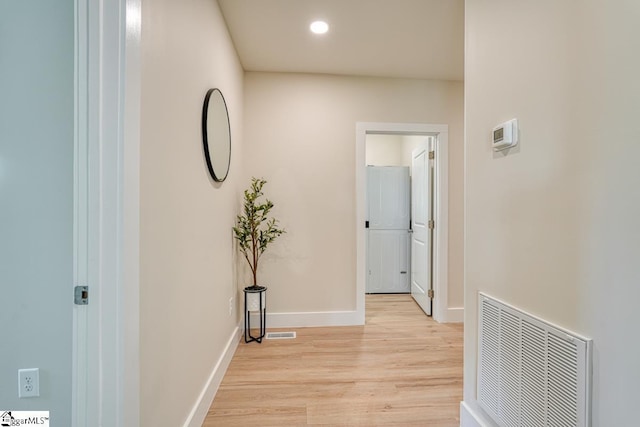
(389, 200)
(388, 261)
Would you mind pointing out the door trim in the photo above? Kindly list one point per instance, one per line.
(440, 248)
(80, 388)
(107, 122)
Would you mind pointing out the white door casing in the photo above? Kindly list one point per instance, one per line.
(106, 229)
(421, 204)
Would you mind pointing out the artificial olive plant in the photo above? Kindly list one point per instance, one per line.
(254, 230)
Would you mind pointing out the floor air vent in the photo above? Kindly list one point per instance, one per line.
(280, 335)
(531, 373)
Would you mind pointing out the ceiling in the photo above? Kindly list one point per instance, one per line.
(421, 39)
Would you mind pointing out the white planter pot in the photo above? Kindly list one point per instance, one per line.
(253, 300)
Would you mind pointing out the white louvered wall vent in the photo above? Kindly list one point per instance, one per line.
(531, 373)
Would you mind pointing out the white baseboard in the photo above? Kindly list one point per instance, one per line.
(334, 318)
(469, 417)
(199, 412)
(454, 315)
(449, 315)
(311, 319)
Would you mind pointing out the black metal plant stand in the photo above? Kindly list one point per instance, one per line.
(262, 313)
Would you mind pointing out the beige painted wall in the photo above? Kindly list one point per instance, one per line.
(300, 136)
(552, 227)
(384, 150)
(186, 248)
(391, 150)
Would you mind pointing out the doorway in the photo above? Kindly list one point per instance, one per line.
(439, 134)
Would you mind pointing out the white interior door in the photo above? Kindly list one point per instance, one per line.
(421, 236)
(388, 242)
(388, 261)
(388, 197)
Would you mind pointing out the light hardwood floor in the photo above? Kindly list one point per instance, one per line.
(401, 368)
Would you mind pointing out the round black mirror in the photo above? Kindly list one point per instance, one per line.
(216, 134)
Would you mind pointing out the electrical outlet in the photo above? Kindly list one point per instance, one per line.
(230, 306)
(29, 382)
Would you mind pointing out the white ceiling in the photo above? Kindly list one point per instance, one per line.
(385, 38)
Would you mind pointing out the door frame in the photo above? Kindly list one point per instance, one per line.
(105, 383)
(440, 243)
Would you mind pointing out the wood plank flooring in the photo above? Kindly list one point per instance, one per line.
(401, 368)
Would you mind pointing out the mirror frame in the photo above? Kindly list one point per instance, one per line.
(207, 129)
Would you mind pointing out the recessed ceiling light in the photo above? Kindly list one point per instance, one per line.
(319, 27)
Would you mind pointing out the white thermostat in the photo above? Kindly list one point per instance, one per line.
(505, 135)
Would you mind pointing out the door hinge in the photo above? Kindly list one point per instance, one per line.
(81, 295)
(430, 293)
(432, 155)
(432, 224)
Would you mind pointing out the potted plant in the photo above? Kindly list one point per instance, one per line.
(254, 230)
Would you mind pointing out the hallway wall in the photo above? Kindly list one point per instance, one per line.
(552, 227)
(37, 202)
(300, 136)
(187, 272)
